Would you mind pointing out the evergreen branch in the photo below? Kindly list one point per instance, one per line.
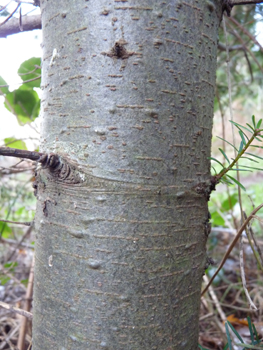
(240, 154)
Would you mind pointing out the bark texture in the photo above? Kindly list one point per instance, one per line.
(128, 88)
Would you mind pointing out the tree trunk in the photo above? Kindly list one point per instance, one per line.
(128, 88)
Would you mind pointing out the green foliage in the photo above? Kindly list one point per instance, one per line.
(24, 102)
(12, 142)
(254, 337)
(4, 89)
(5, 230)
(245, 142)
(29, 70)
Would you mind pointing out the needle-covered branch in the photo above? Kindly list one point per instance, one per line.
(246, 143)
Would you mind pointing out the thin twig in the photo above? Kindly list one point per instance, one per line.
(4, 7)
(251, 233)
(26, 223)
(18, 244)
(8, 274)
(27, 307)
(251, 37)
(16, 310)
(233, 243)
(243, 276)
(23, 82)
(31, 72)
(11, 14)
(222, 47)
(216, 301)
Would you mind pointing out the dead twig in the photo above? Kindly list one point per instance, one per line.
(232, 246)
(16, 310)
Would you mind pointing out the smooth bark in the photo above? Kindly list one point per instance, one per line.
(128, 89)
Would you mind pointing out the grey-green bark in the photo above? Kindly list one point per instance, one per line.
(128, 91)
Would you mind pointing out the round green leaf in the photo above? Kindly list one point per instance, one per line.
(3, 90)
(14, 143)
(24, 103)
(29, 70)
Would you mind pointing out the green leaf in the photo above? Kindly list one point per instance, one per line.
(217, 161)
(255, 332)
(229, 202)
(253, 121)
(217, 219)
(213, 169)
(225, 156)
(257, 138)
(200, 347)
(251, 127)
(30, 69)
(259, 123)
(236, 182)
(3, 90)
(228, 337)
(226, 346)
(256, 146)
(251, 167)
(24, 103)
(250, 330)
(253, 155)
(239, 169)
(227, 142)
(248, 346)
(241, 147)
(24, 282)
(11, 265)
(4, 279)
(5, 230)
(15, 143)
(242, 137)
(235, 332)
(223, 180)
(240, 127)
(252, 160)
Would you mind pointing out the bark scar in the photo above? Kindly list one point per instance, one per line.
(119, 51)
(60, 169)
(227, 6)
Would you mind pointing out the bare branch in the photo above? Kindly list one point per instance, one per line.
(24, 81)
(18, 153)
(241, 229)
(246, 32)
(222, 47)
(16, 309)
(246, 2)
(11, 14)
(26, 223)
(12, 26)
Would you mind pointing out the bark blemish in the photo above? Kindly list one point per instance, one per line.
(94, 264)
(60, 169)
(119, 51)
